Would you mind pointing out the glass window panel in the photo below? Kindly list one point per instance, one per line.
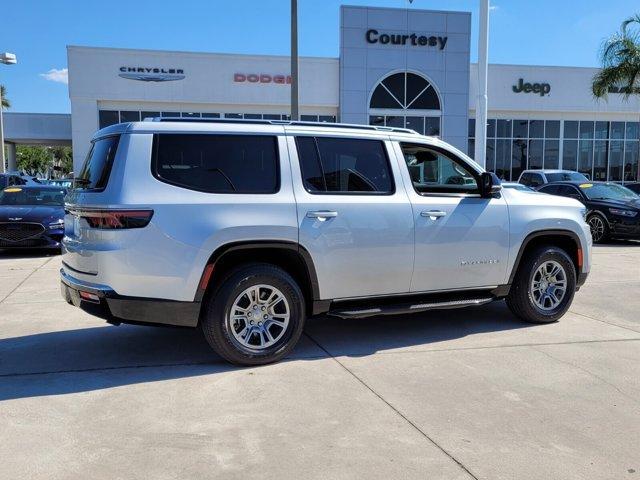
(312, 177)
(394, 121)
(286, 117)
(328, 118)
(395, 84)
(632, 130)
(552, 154)
(616, 156)
(253, 116)
(491, 127)
(585, 157)
(415, 85)
(144, 115)
(108, 117)
(427, 100)
(535, 154)
(471, 147)
(602, 130)
(536, 129)
(552, 129)
(129, 116)
(215, 115)
(520, 128)
(381, 98)
(268, 116)
(570, 129)
(491, 155)
(415, 123)
(631, 161)
(600, 156)
(503, 159)
(171, 114)
(190, 114)
(503, 129)
(96, 169)
(472, 127)
(586, 129)
(617, 131)
(309, 118)
(570, 155)
(232, 115)
(376, 120)
(432, 126)
(518, 158)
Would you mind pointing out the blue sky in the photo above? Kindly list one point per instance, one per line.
(542, 32)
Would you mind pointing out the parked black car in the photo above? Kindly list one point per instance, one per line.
(31, 217)
(612, 210)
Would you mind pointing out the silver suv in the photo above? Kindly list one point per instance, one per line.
(244, 229)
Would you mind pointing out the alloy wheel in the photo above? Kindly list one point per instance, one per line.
(548, 285)
(597, 228)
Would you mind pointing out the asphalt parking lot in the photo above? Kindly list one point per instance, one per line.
(469, 393)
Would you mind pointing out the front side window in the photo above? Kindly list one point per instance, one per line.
(217, 163)
(434, 171)
(344, 165)
(97, 166)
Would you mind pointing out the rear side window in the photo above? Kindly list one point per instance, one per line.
(525, 179)
(97, 166)
(217, 163)
(344, 165)
(550, 189)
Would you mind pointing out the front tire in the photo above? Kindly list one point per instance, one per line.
(599, 228)
(544, 286)
(255, 316)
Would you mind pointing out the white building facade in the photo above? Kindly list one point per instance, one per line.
(397, 67)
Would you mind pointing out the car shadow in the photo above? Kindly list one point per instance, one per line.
(29, 253)
(87, 359)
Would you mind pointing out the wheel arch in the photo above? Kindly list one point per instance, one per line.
(565, 239)
(290, 256)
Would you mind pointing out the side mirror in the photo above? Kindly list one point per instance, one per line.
(489, 184)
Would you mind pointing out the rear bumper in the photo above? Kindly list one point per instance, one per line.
(102, 302)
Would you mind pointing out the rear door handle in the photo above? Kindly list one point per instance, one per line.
(433, 213)
(322, 214)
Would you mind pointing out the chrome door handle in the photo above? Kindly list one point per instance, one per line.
(322, 214)
(433, 213)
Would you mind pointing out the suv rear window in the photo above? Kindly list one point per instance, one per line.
(97, 166)
(344, 165)
(217, 163)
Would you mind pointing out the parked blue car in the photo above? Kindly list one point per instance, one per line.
(31, 217)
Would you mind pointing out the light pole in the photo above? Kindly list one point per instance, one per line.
(294, 61)
(8, 59)
(480, 153)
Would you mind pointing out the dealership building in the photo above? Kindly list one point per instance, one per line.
(396, 67)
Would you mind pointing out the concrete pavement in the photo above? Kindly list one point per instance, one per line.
(463, 394)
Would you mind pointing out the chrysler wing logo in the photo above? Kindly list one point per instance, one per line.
(15, 219)
(152, 74)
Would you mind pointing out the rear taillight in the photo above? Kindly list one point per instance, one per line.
(115, 219)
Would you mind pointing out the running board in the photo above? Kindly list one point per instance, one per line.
(400, 309)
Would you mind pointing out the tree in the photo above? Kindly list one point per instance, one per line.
(63, 158)
(620, 58)
(33, 160)
(5, 101)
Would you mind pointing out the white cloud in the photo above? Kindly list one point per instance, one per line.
(60, 75)
(493, 7)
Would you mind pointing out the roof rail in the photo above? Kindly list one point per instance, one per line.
(280, 122)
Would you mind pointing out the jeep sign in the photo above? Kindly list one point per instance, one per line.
(541, 89)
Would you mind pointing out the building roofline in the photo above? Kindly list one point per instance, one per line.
(364, 7)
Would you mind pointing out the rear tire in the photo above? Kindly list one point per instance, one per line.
(599, 228)
(256, 315)
(544, 286)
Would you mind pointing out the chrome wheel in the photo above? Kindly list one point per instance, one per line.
(548, 285)
(597, 227)
(259, 317)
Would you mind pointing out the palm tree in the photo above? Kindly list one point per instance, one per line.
(620, 57)
(5, 101)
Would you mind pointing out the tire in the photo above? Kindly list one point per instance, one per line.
(244, 343)
(539, 305)
(599, 228)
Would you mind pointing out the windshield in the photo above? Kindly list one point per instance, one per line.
(32, 196)
(566, 177)
(607, 191)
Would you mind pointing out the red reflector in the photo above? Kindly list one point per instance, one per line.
(580, 258)
(206, 276)
(116, 219)
(90, 297)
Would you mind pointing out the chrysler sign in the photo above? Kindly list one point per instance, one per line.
(152, 74)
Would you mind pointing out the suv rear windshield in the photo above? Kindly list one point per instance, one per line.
(97, 166)
(217, 163)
